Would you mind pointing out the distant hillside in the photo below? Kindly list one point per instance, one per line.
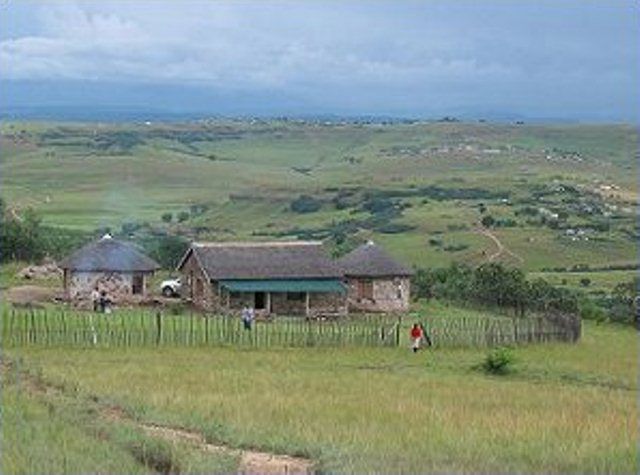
(538, 196)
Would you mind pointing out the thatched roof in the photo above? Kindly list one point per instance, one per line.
(369, 260)
(270, 260)
(108, 254)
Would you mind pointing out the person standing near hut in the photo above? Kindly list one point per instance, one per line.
(95, 298)
(416, 337)
(247, 317)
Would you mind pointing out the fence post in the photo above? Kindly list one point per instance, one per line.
(398, 325)
(158, 328)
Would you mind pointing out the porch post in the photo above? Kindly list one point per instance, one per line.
(268, 303)
(306, 304)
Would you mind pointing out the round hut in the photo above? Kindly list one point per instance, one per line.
(116, 267)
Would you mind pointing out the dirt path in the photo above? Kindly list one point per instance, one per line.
(251, 461)
(501, 249)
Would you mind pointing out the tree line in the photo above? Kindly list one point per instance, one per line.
(496, 286)
(24, 238)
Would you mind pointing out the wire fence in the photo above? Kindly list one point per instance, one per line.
(143, 328)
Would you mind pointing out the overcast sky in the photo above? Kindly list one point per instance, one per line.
(557, 59)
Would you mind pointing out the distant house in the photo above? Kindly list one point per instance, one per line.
(112, 265)
(376, 282)
(287, 278)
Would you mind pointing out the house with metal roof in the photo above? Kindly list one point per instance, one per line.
(111, 265)
(376, 282)
(286, 278)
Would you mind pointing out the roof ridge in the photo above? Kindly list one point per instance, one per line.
(257, 243)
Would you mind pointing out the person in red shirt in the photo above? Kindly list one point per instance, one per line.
(416, 337)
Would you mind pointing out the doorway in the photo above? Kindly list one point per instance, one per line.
(137, 284)
(259, 300)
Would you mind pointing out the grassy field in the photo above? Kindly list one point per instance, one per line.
(598, 280)
(563, 409)
(45, 430)
(245, 175)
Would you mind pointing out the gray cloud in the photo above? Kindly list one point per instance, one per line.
(541, 56)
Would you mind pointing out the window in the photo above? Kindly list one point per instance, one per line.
(199, 289)
(399, 290)
(295, 296)
(365, 289)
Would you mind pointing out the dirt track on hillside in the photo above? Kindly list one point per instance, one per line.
(251, 461)
(501, 250)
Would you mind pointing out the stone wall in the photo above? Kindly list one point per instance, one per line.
(117, 285)
(328, 303)
(196, 287)
(389, 295)
(280, 305)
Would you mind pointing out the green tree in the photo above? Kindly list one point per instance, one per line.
(488, 221)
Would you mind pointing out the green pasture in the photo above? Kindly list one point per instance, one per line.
(247, 174)
(564, 408)
(599, 280)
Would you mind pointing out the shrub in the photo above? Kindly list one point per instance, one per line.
(585, 282)
(498, 361)
(394, 228)
(129, 227)
(183, 216)
(456, 247)
(488, 221)
(305, 204)
(589, 310)
(167, 217)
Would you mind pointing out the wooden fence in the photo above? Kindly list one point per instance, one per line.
(139, 328)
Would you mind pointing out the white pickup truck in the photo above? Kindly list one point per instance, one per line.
(171, 287)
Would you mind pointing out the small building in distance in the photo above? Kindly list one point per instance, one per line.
(376, 282)
(114, 266)
(285, 278)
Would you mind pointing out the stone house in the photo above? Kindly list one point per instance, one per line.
(375, 281)
(287, 278)
(114, 266)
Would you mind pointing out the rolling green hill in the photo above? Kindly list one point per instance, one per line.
(558, 196)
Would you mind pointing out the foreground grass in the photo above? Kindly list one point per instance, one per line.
(36, 439)
(52, 431)
(565, 408)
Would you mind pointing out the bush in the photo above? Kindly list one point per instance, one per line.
(183, 216)
(394, 228)
(585, 282)
(498, 361)
(456, 247)
(167, 217)
(305, 204)
(589, 310)
(488, 221)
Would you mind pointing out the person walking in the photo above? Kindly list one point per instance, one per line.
(416, 337)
